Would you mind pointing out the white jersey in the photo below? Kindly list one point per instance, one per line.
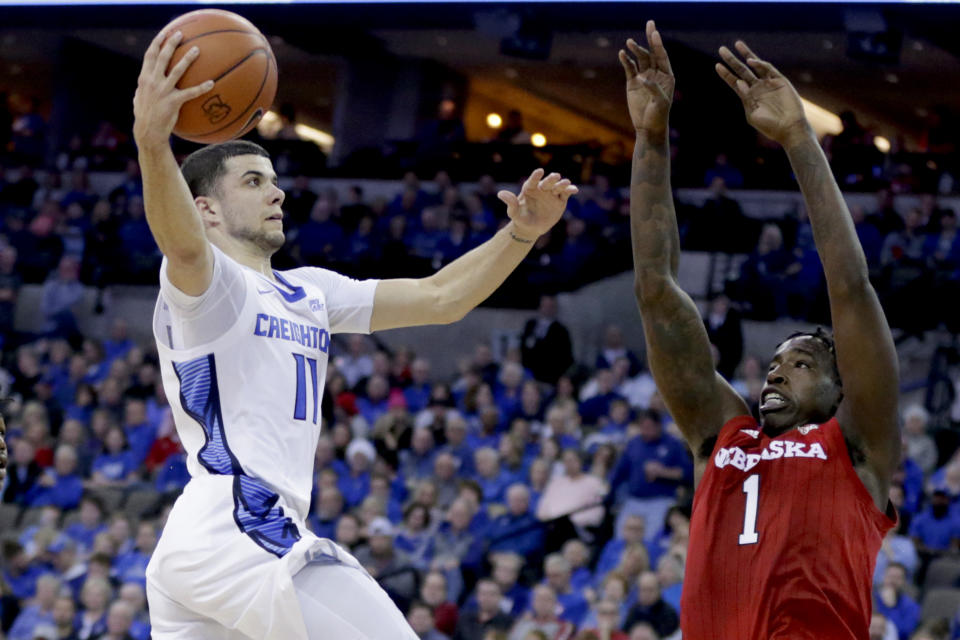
(243, 367)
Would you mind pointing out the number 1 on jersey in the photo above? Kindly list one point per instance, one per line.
(751, 487)
(300, 410)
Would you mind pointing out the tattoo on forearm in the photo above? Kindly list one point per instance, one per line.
(656, 240)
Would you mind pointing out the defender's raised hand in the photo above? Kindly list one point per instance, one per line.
(771, 103)
(650, 82)
(157, 102)
(540, 205)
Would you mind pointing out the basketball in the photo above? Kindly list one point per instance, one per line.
(237, 57)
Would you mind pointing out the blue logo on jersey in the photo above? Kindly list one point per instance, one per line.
(307, 335)
(315, 305)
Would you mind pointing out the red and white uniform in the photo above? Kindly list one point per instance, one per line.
(783, 539)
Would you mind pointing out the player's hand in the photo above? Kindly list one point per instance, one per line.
(771, 103)
(157, 102)
(650, 83)
(539, 206)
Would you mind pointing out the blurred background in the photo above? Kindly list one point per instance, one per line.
(393, 128)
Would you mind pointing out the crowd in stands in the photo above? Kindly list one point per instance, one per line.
(529, 498)
(532, 498)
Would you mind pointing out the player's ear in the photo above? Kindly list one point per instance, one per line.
(208, 209)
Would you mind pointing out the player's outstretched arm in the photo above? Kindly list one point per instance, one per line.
(171, 213)
(450, 293)
(866, 356)
(678, 348)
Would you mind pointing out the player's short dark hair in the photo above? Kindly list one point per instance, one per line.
(203, 168)
(825, 338)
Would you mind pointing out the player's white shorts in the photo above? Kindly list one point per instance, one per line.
(223, 570)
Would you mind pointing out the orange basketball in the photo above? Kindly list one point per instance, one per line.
(236, 56)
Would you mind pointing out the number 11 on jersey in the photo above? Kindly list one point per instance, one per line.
(300, 409)
(751, 487)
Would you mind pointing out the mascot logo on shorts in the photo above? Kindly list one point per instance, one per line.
(215, 108)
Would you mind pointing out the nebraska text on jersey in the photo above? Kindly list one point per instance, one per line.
(736, 457)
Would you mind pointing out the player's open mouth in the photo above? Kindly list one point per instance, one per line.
(772, 401)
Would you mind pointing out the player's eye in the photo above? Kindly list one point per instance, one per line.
(803, 364)
(254, 181)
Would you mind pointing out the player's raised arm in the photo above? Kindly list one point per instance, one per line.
(678, 348)
(866, 356)
(450, 293)
(171, 213)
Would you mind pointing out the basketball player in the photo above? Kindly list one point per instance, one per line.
(244, 352)
(788, 512)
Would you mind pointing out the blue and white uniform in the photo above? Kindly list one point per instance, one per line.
(243, 366)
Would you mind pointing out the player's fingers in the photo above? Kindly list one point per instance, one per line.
(763, 68)
(744, 50)
(571, 190)
(150, 57)
(628, 64)
(508, 198)
(731, 79)
(185, 95)
(547, 183)
(531, 182)
(181, 67)
(657, 50)
(561, 185)
(641, 54)
(166, 52)
(737, 65)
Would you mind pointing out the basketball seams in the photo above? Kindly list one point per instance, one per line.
(253, 102)
(217, 31)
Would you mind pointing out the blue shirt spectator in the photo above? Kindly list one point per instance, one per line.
(891, 600)
(936, 528)
(60, 486)
(517, 530)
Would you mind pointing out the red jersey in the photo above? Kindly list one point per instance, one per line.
(783, 539)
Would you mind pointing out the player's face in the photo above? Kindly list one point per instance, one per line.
(800, 386)
(250, 202)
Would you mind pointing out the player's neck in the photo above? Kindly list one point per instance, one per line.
(246, 254)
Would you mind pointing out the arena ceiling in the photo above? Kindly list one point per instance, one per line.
(832, 51)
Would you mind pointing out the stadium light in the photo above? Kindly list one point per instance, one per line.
(494, 121)
(538, 140)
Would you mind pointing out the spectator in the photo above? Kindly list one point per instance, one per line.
(420, 617)
(651, 608)
(722, 168)
(355, 484)
(491, 478)
(604, 622)
(920, 446)
(598, 397)
(513, 131)
(329, 507)
(545, 343)
(88, 525)
(725, 333)
(391, 567)
(473, 624)
(10, 283)
(140, 433)
(652, 467)
(60, 486)
(132, 566)
(22, 473)
(134, 595)
(434, 593)
(573, 604)
(39, 612)
(670, 576)
(643, 631)
(140, 249)
(92, 619)
(61, 293)
(119, 621)
(543, 617)
(935, 530)
(506, 572)
(881, 628)
(870, 237)
(517, 530)
(892, 601)
(415, 537)
(896, 548)
(568, 493)
(116, 466)
(457, 549)
(613, 348)
(64, 618)
(416, 463)
(320, 241)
